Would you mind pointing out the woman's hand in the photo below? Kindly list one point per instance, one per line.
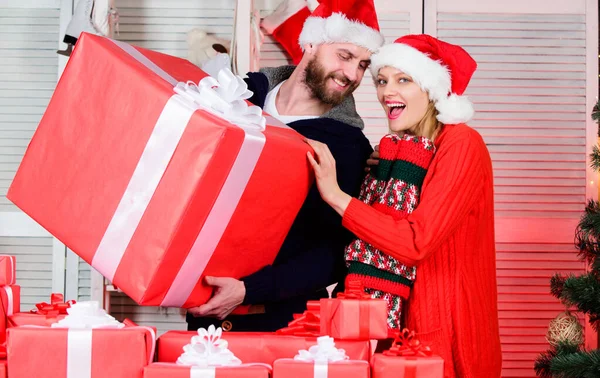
(323, 164)
(373, 159)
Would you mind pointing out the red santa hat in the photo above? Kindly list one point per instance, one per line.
(441, 69)
(343, 21)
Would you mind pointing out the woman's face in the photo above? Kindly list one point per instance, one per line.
(404, 102)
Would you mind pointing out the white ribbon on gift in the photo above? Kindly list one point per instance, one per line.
(223, 97)
(10, 300)
(206, 352)
(321, 355)
(82, 319)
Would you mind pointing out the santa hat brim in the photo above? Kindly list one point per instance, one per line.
(339, 29)
(431, 75)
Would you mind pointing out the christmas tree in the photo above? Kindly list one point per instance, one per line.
(567, 358)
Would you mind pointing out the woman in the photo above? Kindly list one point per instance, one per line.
(450, 236)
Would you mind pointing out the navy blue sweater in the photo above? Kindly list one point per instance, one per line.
(312, 255)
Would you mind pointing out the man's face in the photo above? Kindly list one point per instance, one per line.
(335, 71)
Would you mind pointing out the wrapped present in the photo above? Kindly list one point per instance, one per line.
(10, 302)
(31, 319)
(407, 358)
(3, 369)
(256, 347)
(322, 360)
(307, 324)
(87, 343)
(7, 270)
(354, 315)
(171, 370)
(207, 355)
(162, 181)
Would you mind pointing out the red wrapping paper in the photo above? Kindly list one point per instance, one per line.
(7, 270)
(257, 347)
(92, 136)
(290, 368)
(407, 367)
(27, 318)
(165, 370)
(10, 303)
(42, 352)
(354, 319)
(3, 369)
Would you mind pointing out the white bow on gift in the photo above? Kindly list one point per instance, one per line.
(224, 97)
(208, 349)
(324, 351)
(86, 315)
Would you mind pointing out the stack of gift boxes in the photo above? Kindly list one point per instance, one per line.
(157, 175)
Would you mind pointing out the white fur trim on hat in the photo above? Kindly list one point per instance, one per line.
(432, 76)
(339, 29)
(454, 109)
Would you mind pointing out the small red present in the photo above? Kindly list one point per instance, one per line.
(170, 370)
(94, 345)
(256, 347)
(10, 303)
(7, 270)
(157, 182)
(30, 319)
(354, 315)
(322, 360)
(3, 369)
(407, 358)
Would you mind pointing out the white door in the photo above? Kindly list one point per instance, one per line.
(29, 67)
(533, 92)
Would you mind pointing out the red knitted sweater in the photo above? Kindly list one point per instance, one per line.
(450, 238)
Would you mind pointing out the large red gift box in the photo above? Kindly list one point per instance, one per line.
(151, 191)
(407, 367)
(79, 353)
(256, 347)
(290, 368)
(7, 270)
(167, 370)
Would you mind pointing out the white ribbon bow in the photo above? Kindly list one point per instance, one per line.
(87, 315)
(208, 349)
(324, 351)
(224, 97)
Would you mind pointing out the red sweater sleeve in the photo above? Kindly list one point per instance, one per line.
(455, 186)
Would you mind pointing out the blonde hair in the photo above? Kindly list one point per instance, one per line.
(429, 126)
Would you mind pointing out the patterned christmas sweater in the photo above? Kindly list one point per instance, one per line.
(393, 187)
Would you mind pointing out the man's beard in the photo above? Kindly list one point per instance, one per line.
(316, 79)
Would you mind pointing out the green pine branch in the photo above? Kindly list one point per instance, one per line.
(543, 364)
(595, 158)
(583, 292)
(596, 112)
(587, 234)
(582, 364)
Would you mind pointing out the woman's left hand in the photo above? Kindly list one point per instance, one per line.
(323, 164)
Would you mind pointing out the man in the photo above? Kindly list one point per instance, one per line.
(315, 99)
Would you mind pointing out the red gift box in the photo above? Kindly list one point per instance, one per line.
(7, 270)
(290, 368)
(79, 353)
(10, 302)
(407, 367)
(3, 369)
(153, 192)
(354, 315)
(407, 358)
(257, 347)
(168, 370)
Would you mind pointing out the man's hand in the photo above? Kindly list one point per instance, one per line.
(373, 160)
(228, 294)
